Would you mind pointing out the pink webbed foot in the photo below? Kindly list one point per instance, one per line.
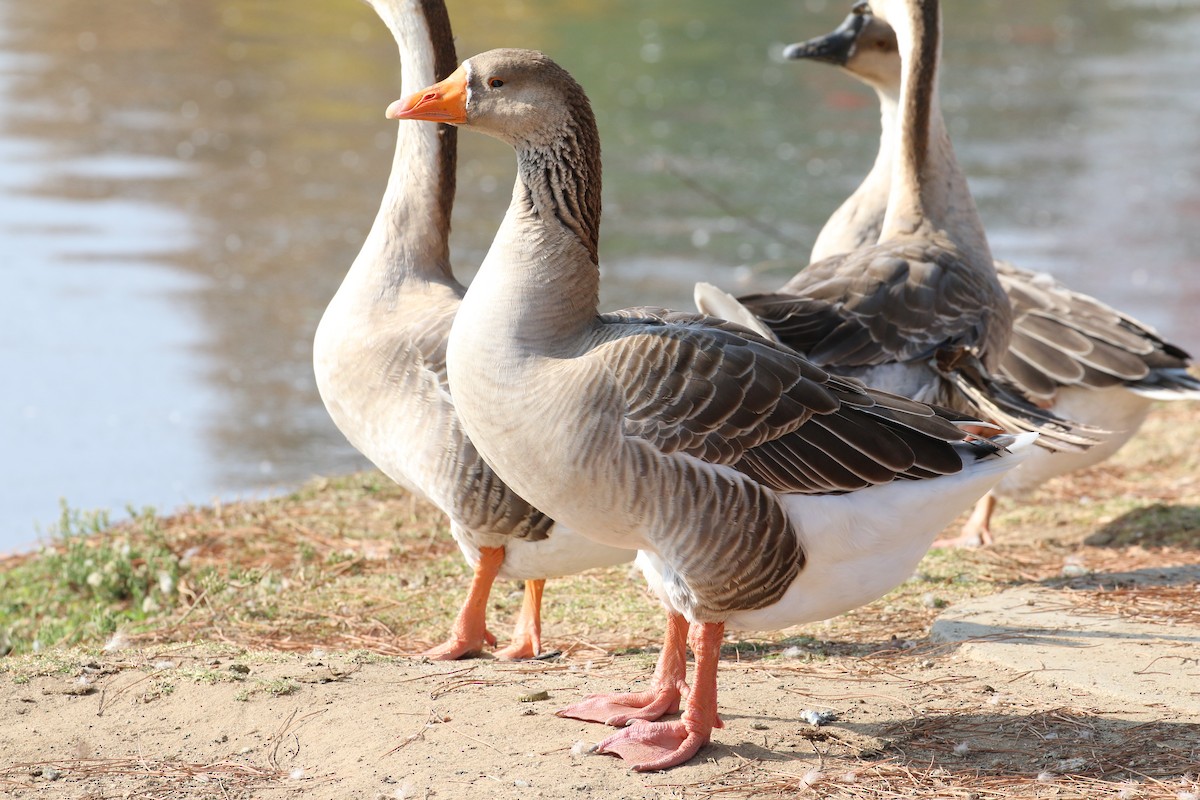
(620, 708)
(664, 694)
(456, 647)
(650, 746)
(527, 635)
(469, 632)
(977, 532)
(518, 650)
(966, 539)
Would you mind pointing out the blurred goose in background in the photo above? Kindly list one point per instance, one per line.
(1069, 352)
(761, 491)
(379, 356)
(919, 312)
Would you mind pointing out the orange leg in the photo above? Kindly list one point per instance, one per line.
(662, 698)
(527, 635)
(470, 632)
(977, 532)
(659, 745)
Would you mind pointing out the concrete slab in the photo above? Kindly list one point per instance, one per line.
(1038, 630)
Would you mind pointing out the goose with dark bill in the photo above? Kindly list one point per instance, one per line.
(1069, 353)
(914, 307)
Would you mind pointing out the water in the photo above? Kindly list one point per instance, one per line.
(182, 186)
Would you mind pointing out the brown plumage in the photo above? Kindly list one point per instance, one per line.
(761, 490)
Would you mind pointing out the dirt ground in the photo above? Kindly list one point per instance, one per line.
(218, 699)
(211, 722)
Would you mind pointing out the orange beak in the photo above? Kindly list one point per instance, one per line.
(445, 101)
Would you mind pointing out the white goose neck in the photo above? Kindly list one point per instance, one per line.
(858, 220)
(408, 240)
(540, 281)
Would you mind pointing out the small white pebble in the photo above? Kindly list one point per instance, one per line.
(1051, 735)
(117, 642)
(164, 664)
(850, 777)
(582, 748)
(792, 652)
(521, 784)
(1046, 777)
(296, 774)
(961, 749)
(817, 718)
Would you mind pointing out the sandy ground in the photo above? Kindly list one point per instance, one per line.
(203, 722)
(1003, 715)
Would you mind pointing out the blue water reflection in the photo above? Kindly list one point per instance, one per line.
(183, 184)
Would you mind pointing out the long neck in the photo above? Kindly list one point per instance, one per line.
(409, 238)
(859, 219)
(928, 191)
(541, 278)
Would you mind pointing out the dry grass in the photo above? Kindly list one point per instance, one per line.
(157, 779)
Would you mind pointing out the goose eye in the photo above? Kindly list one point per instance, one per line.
(495, 83)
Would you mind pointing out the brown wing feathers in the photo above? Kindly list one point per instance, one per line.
(709, 389)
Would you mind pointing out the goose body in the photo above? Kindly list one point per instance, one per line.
(1069, 352)
(760, 490)
(379, 358)
(913, 306)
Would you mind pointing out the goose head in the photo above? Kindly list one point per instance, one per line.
(864, 45)
(521, 97)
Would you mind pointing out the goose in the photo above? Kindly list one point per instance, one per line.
(1069, 353)
(379, 358)
(921, 312)
(760, 490)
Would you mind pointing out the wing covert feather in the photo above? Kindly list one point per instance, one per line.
(707, 388)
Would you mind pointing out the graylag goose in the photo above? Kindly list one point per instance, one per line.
(917, 309)
(1069, 352)
(379, 356)
(760, 490)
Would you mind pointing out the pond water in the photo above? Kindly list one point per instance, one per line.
(184, 184)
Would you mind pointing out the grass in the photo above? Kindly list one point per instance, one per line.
(356, 563)
(92, 581)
